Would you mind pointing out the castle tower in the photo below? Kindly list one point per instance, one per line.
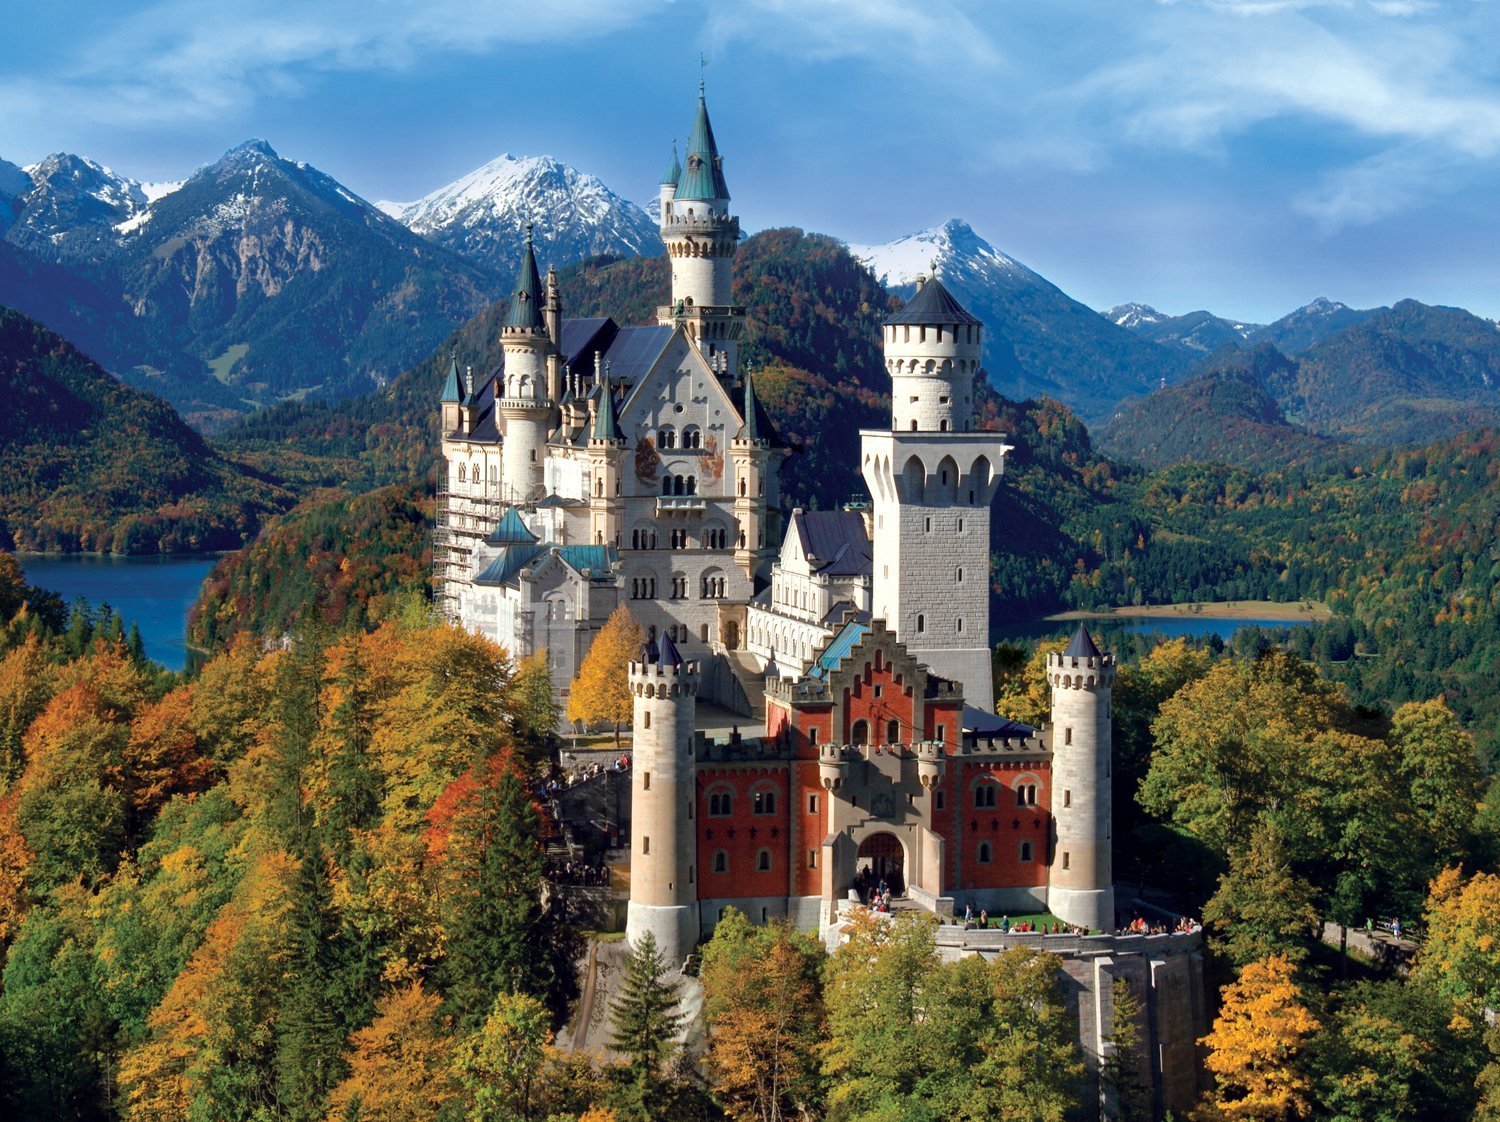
(663, 791)
(605, 451)
(452, 398)
(750, 452)
(932, 480)
(1082, 877)
(701, 237)
(524, 405)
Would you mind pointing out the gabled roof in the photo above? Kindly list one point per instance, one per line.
(525, 302)
(510, 562)
(453, 387)
(511, 530)
(1082, 645)
(593, 561)
(704, 178)
(833, 541)
(933, 304)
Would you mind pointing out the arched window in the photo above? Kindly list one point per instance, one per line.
(1026, 794)
(859, 732)
(666, 437)
(720, 803)
(984, 793)
(763, 800)
(921, 623)
(986, 853)
(1025, 851)
(763, 861)
(692, 485)
(666, 485)
(721, 861)
(463, 473)
(692, 437)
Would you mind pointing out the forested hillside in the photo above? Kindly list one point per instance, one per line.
(93, 465)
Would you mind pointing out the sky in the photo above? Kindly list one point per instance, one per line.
(1243, 156)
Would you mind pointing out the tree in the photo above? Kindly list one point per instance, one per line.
(1255, 1048)
(1437, 763)
(1261, 907)
(400, 1066)
(1460, 955)
(1031, 1065)
(536, 709)
(645, 1018)
(764, 1007)
(501, 1062)
(1120, 1071)
(601, 692)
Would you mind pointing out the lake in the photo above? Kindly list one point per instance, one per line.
(154, 593)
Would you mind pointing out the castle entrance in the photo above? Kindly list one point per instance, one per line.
(880, 859)
(732, 635)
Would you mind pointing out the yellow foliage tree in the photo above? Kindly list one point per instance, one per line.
(1255, 1044)
(400, 1065)
(601, 692)
(1461, 954)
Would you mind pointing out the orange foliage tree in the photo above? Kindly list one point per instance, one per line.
(1255, 1047)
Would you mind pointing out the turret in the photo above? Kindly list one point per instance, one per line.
(750, 453)
(669, 180)
(605, 453)
(524, 405)
(932, 353)
(663, 792)
(701, 237)
(553, 316)
(1081, 884)
(452, 397)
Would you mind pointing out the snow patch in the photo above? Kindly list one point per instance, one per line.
(944, 251)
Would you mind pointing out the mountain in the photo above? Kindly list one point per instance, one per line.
(483, 216)
(1295, 332)
(1038, 340)
(91, 464)
(1225, 413)
(14, 182)
(71, 209)
(1201, 332)
(1411, 373)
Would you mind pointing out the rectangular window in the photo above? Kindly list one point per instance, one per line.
(645, 846)
(939, 801)
(1067, 798)
(1068, 735)
(646, 781)
(812, 858)
(927, 525)
(942, 733)
(812, 804)
(1065, 860)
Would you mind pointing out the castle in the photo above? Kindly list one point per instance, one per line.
(602, 463)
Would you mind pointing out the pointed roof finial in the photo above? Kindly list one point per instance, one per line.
(702, 66)
(525, 307)
(704, 178)
(529, 227)
(453, 389)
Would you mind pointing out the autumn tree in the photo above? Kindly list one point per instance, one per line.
(763, 1000)
(1460, 956)
(500, 1063)
(601, 692)
(1261, 907)
(1255, 1048)
(401, 1065)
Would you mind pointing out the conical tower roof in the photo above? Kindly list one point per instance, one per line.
(667, 652)
(525, 302)
(704, 177)
(453, 387)
(1082, 645)
(757, 424)
(673, 175)
(604, 418)
(933, 304)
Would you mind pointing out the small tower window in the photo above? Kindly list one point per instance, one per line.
(1025, 851)
(646, 776)
(645, 846)
(1065, 860)
(959, 576)
(921, 623)
(1068, 735)
(1067, 798)
(646, 723)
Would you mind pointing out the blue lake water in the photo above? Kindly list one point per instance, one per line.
(1170, 627)
(154, 593)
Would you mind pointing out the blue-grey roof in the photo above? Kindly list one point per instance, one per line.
(839, 647)
(704, 177)
(667, 652)
(525, 302)
(511, 530)
(988, 726)
(673, 174)
(834, 541)
(634, 350)
(592, 560)
(578, 341)
(757, 424)
(604, 415)
(453, 386)
(933, 304)
(1082, 645)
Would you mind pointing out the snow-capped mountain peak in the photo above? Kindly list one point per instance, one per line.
(483, 215)
(944, 251)
(1134, 315)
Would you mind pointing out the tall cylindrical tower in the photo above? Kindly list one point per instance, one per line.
(1081, 884)
(524, 404)
(663, 790)
(701, 237)
(932, 351)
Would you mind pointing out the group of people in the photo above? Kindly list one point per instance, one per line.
(877, 891)
(983, 922)
(1142, 926)
(576, 872)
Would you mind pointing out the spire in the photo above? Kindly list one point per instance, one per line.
(750, 430)
(673, 175)
(667, 652)
(604, 419)
(1082, 645)
(704, 178)
(525, 307)
(453, 389)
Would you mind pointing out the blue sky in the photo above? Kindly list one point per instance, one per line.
(1239, 155)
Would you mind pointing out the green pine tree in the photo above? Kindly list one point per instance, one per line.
(1121, 1071)
(646, 1017)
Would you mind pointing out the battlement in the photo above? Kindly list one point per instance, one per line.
(651, 679)
(1081, 672)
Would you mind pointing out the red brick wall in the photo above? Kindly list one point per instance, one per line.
(743, 834)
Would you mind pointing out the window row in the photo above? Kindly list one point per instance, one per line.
(692, 437)
(721, 803)
(986, 852)
(987, 793)
(762, 860)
